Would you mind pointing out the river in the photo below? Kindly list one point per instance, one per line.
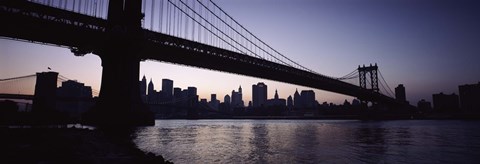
(312, 141)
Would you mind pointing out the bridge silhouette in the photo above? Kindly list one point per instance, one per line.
(195, 33)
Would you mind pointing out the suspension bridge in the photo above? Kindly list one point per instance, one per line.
(23, 87)
(195, 33)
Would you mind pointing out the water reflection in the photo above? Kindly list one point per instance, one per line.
(311, 141)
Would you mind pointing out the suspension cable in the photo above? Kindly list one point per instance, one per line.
(390, 89)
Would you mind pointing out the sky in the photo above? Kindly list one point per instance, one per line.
(429, 46)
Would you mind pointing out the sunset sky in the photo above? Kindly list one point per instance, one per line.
(430, 46)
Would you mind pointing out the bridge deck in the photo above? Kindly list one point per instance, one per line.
(38, 23)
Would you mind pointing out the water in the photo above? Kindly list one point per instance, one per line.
(312, 141)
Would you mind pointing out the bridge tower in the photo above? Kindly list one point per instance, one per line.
(44, 98)
(119, 102)
(372, 72)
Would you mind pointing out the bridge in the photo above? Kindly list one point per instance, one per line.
(195, 33)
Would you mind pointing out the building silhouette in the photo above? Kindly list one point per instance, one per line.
(276, 101)
(400, 94)
(424, 105)
(77, 98)
(297, 100)
(289, 102)
(192, 95)
(237, 100)
(214, 102)
(151, 93)
(259, 94)
(167, 89)
(445, 103)
(226, 105)
(470, 97)
(226, 99)
(177, 95)
(308, 99)
(143, 89)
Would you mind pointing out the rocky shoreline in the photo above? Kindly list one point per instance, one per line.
(71, 145)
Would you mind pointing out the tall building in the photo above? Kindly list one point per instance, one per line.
(297, 100)
(167, 88)
(443, 102)
(259, 94)
(237, 100)
(152, 94)
(290, 102)
(151, 89)
(226, 99)
(214, 102)
(192, 96)
(143, 89)
(308, 99)
(400, 93)
(276, 95)
(470, 97)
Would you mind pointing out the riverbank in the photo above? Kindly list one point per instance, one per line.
(70, 145)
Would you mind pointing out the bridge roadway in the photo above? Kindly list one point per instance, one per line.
(23, 20)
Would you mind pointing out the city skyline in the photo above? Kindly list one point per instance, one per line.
(406, 48)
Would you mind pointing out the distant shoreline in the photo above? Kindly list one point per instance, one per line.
(346, 117)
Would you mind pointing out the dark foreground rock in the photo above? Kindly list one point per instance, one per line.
(62, 145)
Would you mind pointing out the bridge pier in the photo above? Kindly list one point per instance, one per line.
(119, 102)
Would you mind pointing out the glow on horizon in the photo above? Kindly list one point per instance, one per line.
(429, 46)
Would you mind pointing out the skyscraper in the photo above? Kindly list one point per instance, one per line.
(214, 102)
(308, 98)
(237, 100)
(443, 102)
(226, 99)
(259, 94)
(152, 94)
(276, 95)
(290, 102)
(167, 89)
(470, 97)
(297, 100)
(151, 89)
(143, 89)
(192, 96)
(400, 93)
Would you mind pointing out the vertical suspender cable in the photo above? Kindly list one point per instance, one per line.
(160, 14)
(144, 10)
(152, 17)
